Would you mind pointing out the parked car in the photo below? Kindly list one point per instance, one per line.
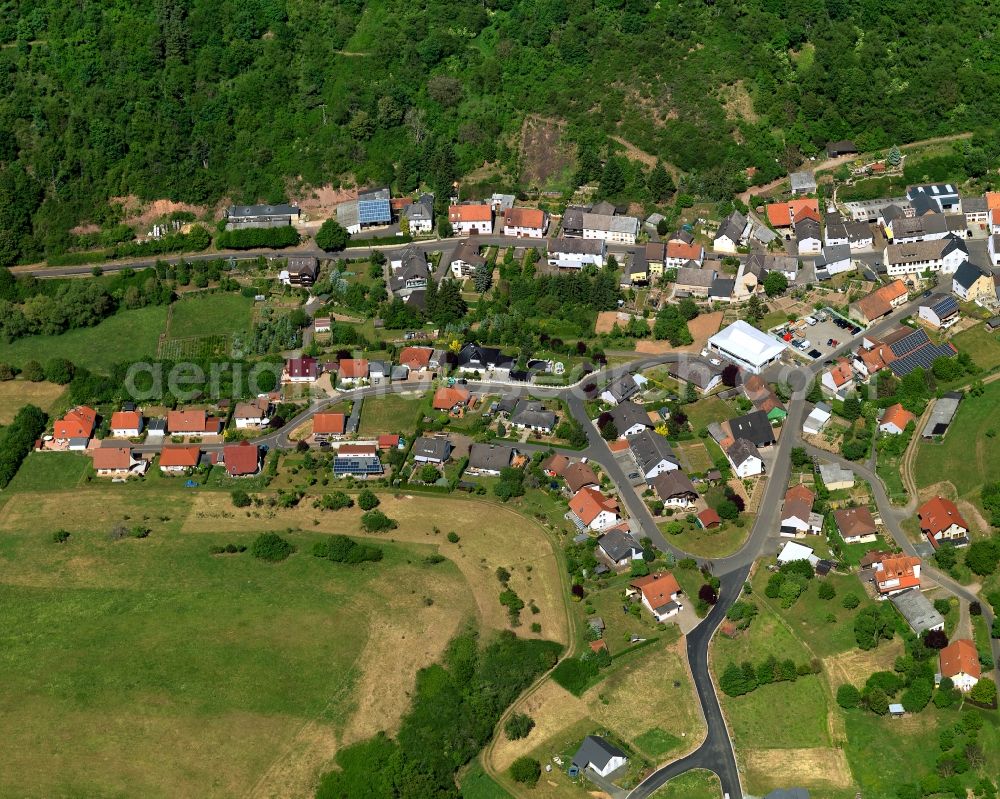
(810, 321)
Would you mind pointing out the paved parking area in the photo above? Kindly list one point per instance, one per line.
(829, 333)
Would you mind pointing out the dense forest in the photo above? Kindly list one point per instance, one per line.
(197, 100)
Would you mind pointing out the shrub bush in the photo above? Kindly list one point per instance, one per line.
(271, 547)
(367, 499)
(518, 726)
(526, 770)
(374, 521)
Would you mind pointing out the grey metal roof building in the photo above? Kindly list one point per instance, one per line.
(918, 611)
(942, 414)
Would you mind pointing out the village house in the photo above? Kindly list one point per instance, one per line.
(705, 377)
(976, 211)
(782, 215)
(940, 311)
(192, 423)
(300, 270)
(612, 229)
(408, 273)
(696, 282)
(630, 419)
(993, 248)
(832, 260)
(940, 255)
(802, 182)
(576, 253)
(474, 358)
(959, 662)
(417, 359)
(352, 371)
(941, 522)
(450, 399)
(242, 459)
(941, 197)
(532, 415)
(895, 419)
(817, 419)
(179, 459)
(593, 509)
(489, 460)
(419, 215)
(114, 462)
(745, 458)
(432, 449)
(675, 489)
(126, 424)
(75, 428)
(839, 379)
(660, 594)
(928, 227)
(466, 260)
(360, 461)
(808, 234)
(895, 573)
(879, 303)
(855, 525)
(797, 517)
(300, 370)
(597, 755)
(252, 415)
(973, 284)
(622, 388)
(329, 426)
(754, 427)
(525, 223)
(917, 610)
(471, 219)
(652, 453)
(678, 254)
(618, 548)
(732, 233)
(578, 475)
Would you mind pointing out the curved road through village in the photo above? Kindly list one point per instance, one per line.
(716, 752)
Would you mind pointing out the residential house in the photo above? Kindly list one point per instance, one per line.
(578, 475)
(532, 415)
(940, 311)
(859, 235)
(940, 255)
(619, 548)
(329, 426)
(471, 219)
(192, 423)
(722, 290)
(802, 182)
(300, 270)
(525, 222)
(636, 273)
(835, 476)
(660, 594)
(894, 420)
(872, 356)
(839, 378)
(656, 256)
(917, 610)
(993, 247)
(417, 359)
(576, 253)
(973, 284)
(797, 515)
(252, 415)
(450, 398)
(782, 215)
(976, 211)
(432, 449)
(870, 210)
(942, 196)
(156, 429)
(178, 460)
(678, 254)
(959, 662)
(593, 509)
(897, 573)
(419, 215)
(835, 149)
(879, 303)
(675, 489)
(242, 459)
(652, 453)
(301, 370)
(408, 273)
(620, 389)
(476, 358)
(817, 419)
(126, 424)
(352, 371)
(703, 376)
(76, 427)
(807, 234)
(357, 460)
(732, 233)
(745, 458)
(754, 427)
(113, 461)
(760, 265)
(260, 216)
(630, 419)
(833, 260)
(856, 525)
(489, 459)
(501, 202)
(612, 229)
(696, 282)
(572, 221)
(597, 755)
(913, 348)
(941, 522)
(709, 519)
(466, 260)
(928, 227)
(835, 233)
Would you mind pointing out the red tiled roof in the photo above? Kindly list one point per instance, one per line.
(878, 357)
(689, 252)
(995, 216)
(841, 373)
(388, 441)
(416, 357)
(470, 213)
(327, 423)
(938, 514)
(709, 518)
(241, 459)
(180, 456)
(588, 503)
(125, 420)
(960, 657)
(524, 217)
(195, 421)
(77, 423)
(783, 214)
(660, 590)
(358, 449)
(301, 367)
(112, 458)
(446, 398)
(893, 291)
(897, 415)
(353, 368)
(598, 645)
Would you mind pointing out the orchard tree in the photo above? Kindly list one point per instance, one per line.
(332, 236)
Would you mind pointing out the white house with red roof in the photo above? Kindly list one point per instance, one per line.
(126, 424)
(895, 573)
(593, 509)
(839, 378)
(352, 371)
(959, 662)
(660, 594)
(941, 522)
(300, 370)
(76, 427)
(525, 222)
(471, 219)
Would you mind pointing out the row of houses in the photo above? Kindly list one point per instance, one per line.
(118, 462)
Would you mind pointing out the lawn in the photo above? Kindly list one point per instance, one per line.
(707, 410)
(477, 784)
(51, 471)
(965, 457)
(187, 674)
(210, 314)
(392, 413)
(14, 394)
(715, 543)
(697, 784)
(696, 454)
(126, 336)
(983, 347)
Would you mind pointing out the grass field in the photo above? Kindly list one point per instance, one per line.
(391, 413)
(51, 471)
(696, 454)
(966, 457)
(708, 410)
(210, 314)
(716, 543)
(982, 345)
(183, 673)
(698, 784)
(126, 336)
(477, 784)
(14, 394)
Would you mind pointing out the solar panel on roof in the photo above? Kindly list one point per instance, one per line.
(946, 306)
(909, 343)
(923, 357)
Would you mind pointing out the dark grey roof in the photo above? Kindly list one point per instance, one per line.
(892, 212)
(754, 427)
(957, 223)
(604, 208)
(722, 287)
(280, 209)
(967, 274)
(697, 372)
(573, 217)
(689, 276)
(618, 544)
(468, 252)
(974, 205)
(650, 448)
(733, 226)
(858, 231)
(303, 265)
(927, 225)
(367, 195)
(575, 246)
(759, 264)
(742, 450)
(622, 388)
(842, 147)
(923, 204)
(490, 457)
(474, 356)
(597, 751)
(682, 235)
(943, 305)
(673, 484)
(532, 413)
(917, 610)
(436, 447)
(422, 209)
(833, 254)
(788, 793)
(628, 414)
(806, 229)
(802, 181)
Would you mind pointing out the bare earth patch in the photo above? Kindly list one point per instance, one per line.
(141, 214)
(544, 154)
(776, 767)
